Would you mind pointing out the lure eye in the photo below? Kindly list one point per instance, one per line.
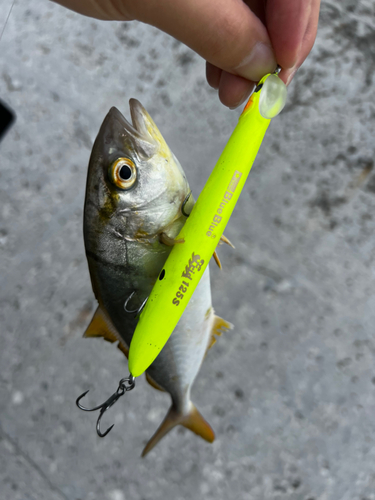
(273, 97)
(123, 173)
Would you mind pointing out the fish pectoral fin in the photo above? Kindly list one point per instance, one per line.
(101, 326)
(167, 240)
(192, 421)
(219, 326)
(153, 384)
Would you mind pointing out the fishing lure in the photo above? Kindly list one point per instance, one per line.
(203, 229)
(181, 273)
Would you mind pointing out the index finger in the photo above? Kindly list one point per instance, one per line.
(292, 27)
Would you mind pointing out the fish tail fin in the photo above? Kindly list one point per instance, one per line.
(192, 421)
(195, 422)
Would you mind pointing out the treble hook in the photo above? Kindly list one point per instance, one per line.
(134, 311)
(121, 390)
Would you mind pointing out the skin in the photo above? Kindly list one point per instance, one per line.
(241, 40)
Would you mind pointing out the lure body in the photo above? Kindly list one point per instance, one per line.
(187, 262)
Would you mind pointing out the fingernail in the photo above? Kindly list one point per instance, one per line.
(258, 63)
(241, 101)
(290, 77)
(244, 98)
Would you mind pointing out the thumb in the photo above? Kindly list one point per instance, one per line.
(224, 32)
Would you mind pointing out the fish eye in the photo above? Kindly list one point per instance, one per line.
(123, 173)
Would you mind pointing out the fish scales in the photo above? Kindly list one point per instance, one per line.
(135, 193)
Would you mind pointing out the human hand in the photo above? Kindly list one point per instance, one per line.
(241, 40)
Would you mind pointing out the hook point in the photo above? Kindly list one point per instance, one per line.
(98, 431)
(79, 399)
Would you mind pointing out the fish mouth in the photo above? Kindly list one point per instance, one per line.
(117, 134)
(142, 136)
(137, 127)
(137, 112)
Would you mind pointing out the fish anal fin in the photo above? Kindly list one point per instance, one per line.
(153, 384)
(219, 326)
(192, 421)
(212, 342)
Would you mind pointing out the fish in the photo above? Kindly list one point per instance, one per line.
(137, 200)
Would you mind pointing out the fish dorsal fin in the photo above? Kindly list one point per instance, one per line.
(102, 326)
(219, 326)
(153, 384)
(192, 421)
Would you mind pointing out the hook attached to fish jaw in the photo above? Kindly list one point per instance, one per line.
(125, 385)
(134, 311)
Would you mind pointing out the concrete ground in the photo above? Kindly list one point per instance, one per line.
(290, 391)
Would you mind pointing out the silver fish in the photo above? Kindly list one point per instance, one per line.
(137, 198)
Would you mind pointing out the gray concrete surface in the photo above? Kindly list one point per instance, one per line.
(290, 391)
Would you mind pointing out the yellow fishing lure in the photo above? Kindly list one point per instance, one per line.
(204, 227)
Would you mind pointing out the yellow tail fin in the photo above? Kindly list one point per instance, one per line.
(193, 421)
